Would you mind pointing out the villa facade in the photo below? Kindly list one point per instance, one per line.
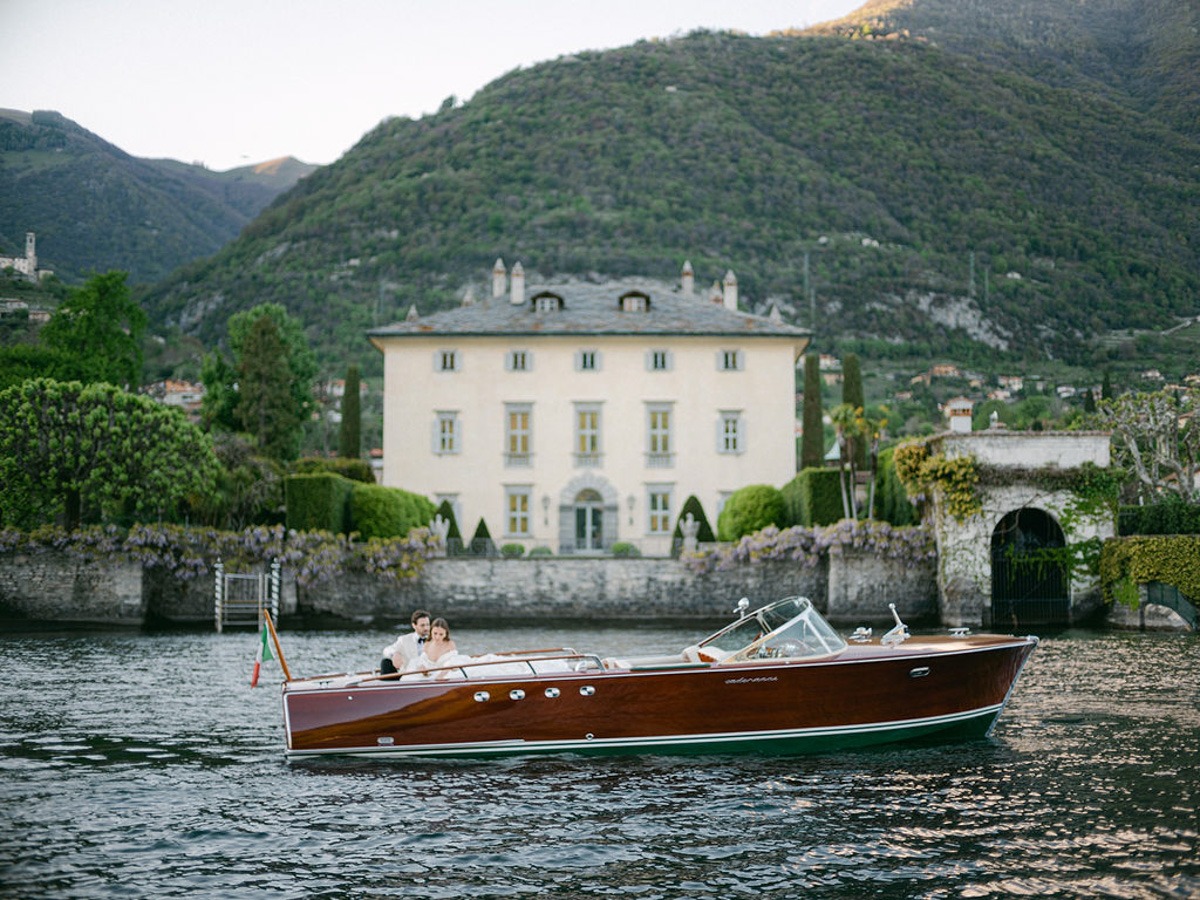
(577, 415)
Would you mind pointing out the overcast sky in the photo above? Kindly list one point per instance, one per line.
(232, 82)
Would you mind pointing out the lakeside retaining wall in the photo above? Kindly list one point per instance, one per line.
(850, 587)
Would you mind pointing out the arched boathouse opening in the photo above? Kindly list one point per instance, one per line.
(1030, 576)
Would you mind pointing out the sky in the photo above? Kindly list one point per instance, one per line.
(228, 83)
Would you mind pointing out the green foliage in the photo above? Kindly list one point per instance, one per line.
(96, 453)
(481, 532)
(812, 445)
(249, 489)
(512, 551)
(353, 469)
(100, 327)
(750, 509)
(385, 512)
(1129, 561)
(813, 497)
(24, 362)
(318, 502)
(891, 499)
(218, 409)
(265, 409)
(349, 434)
(1171, 516)
(704, 534)
(922, 472)
(540, 551)
(624, 550)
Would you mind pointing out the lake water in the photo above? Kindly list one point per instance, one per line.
(140, 765)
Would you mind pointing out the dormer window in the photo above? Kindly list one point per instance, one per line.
(546, 302)
(635, 301)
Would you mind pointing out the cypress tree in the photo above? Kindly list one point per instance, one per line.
(349, 437)
(812, 444)
(852, 395)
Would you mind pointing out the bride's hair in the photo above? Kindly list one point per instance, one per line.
(440, 623)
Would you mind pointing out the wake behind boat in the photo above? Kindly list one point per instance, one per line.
(779, 679)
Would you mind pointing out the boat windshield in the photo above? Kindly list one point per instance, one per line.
(786, 629)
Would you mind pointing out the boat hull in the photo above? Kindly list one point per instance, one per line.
(948, 689)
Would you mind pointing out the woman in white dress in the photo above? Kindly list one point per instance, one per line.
(439, 650)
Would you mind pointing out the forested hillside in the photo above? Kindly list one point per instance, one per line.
(95, 207)
(925, 183)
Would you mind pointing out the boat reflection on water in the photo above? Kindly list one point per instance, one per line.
(779, 679)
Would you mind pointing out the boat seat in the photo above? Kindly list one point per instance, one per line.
(696, 653)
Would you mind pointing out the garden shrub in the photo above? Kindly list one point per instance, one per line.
(384, 512)
(625, 549)
(512, 551)
(750, 509)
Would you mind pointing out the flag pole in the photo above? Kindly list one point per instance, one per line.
(278, 650)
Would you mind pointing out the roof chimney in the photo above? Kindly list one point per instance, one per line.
(517, 294)
(687, 279)
(731, 298)
(499, 275)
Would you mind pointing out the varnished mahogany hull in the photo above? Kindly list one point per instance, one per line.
(948, 688)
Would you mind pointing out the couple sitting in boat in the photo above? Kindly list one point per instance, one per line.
(428, 646)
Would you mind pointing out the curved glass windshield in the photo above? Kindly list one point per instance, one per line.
(787, 629)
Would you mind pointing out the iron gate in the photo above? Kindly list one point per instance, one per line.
(1030, 577)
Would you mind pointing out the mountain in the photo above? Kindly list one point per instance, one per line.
(95, 207)
(1144, 55)
(955, 187)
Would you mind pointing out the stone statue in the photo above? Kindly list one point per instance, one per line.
(689, 526)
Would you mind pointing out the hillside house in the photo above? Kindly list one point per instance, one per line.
(577, 415)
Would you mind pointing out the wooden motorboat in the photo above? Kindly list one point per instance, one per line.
(779, 679)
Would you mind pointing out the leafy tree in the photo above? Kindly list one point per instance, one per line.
(218, 409)
(349, 437)
(249, 490)
(265, 408)
(26, 361)
(100, 327)
(68, 449)
(288, 380)
(1157, 438)
(751, 509)
(301, 364)
(812, 446)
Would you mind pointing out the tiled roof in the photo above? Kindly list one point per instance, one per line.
(594, 309)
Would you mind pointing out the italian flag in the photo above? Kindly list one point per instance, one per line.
(264, 652)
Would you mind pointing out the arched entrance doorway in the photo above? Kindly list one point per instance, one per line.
(1030, 576)
(589, 521)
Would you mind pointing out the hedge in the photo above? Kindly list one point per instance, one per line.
(813, 497)
(750, 509)
(1127, 562)
(318, 502)
(354, 469)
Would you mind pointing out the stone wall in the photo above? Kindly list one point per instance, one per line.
(853, 587)
(60, 588)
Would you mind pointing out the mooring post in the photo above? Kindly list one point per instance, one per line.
(219, 568)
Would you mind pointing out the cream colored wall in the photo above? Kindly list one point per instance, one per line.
(413, 391)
